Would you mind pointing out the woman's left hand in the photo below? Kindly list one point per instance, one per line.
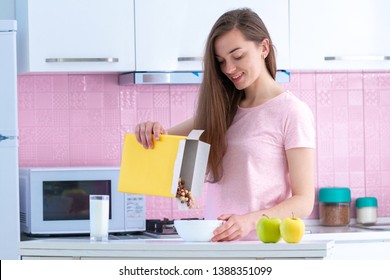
(235, 227)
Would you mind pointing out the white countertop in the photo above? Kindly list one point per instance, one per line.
(173, 248)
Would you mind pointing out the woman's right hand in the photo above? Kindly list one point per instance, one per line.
(144, 132)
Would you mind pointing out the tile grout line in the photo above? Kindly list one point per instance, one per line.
(364, 136)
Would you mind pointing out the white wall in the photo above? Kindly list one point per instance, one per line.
(7, 9)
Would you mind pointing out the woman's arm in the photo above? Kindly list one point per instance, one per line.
(301, 169)
(183, 128)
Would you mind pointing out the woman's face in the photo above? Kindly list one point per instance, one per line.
(239, 59)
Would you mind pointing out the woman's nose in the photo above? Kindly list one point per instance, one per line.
(230, 68)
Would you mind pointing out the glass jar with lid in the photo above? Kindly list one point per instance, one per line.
(366, 210)
(334, 206)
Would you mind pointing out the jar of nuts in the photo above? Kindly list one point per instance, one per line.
(334, 206)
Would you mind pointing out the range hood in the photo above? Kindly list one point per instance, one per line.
(179, 78)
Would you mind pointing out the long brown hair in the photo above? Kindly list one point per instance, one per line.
(218, 97)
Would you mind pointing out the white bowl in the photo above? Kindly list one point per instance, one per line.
(196, 230)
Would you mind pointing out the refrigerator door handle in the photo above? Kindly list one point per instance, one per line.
(3, 137)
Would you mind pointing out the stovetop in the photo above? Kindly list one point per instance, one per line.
(163, 227)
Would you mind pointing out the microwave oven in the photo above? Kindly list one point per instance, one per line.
(56, 200)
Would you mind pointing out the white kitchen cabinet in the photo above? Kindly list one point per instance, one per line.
(362, 251)
(339, 35)
(171, 34)
(353, 243)
(75, 35)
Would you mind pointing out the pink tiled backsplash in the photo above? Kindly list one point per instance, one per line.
(80, 120)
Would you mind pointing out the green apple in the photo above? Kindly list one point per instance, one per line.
(267, 229)
(292, 229)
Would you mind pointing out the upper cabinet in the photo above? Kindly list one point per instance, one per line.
(339, 35)
(75, 35)
(171, 34)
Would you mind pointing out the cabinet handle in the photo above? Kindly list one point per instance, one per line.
(86, 59)
(358, 57)
(189, 58)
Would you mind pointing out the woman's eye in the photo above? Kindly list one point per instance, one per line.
(238, 57)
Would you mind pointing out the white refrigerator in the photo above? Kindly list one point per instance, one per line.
(9, 179)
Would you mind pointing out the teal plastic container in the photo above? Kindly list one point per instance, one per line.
(366, 210)
(334, 206)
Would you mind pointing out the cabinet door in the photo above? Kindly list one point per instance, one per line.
(75, 35)
(8, 87)
(171, 34)
(365, 250)
(333, 34)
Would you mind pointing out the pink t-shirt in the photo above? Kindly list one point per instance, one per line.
(255, 166)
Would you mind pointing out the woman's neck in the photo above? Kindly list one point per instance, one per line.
(260, 92)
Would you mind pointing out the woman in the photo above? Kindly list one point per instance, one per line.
(262, 138)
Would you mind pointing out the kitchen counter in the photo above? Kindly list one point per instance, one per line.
(354, 242)
(319, 242)
(82, 248)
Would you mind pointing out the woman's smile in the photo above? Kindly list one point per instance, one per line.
(236, 78)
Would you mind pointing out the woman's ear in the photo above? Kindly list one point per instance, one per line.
(265, 48)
